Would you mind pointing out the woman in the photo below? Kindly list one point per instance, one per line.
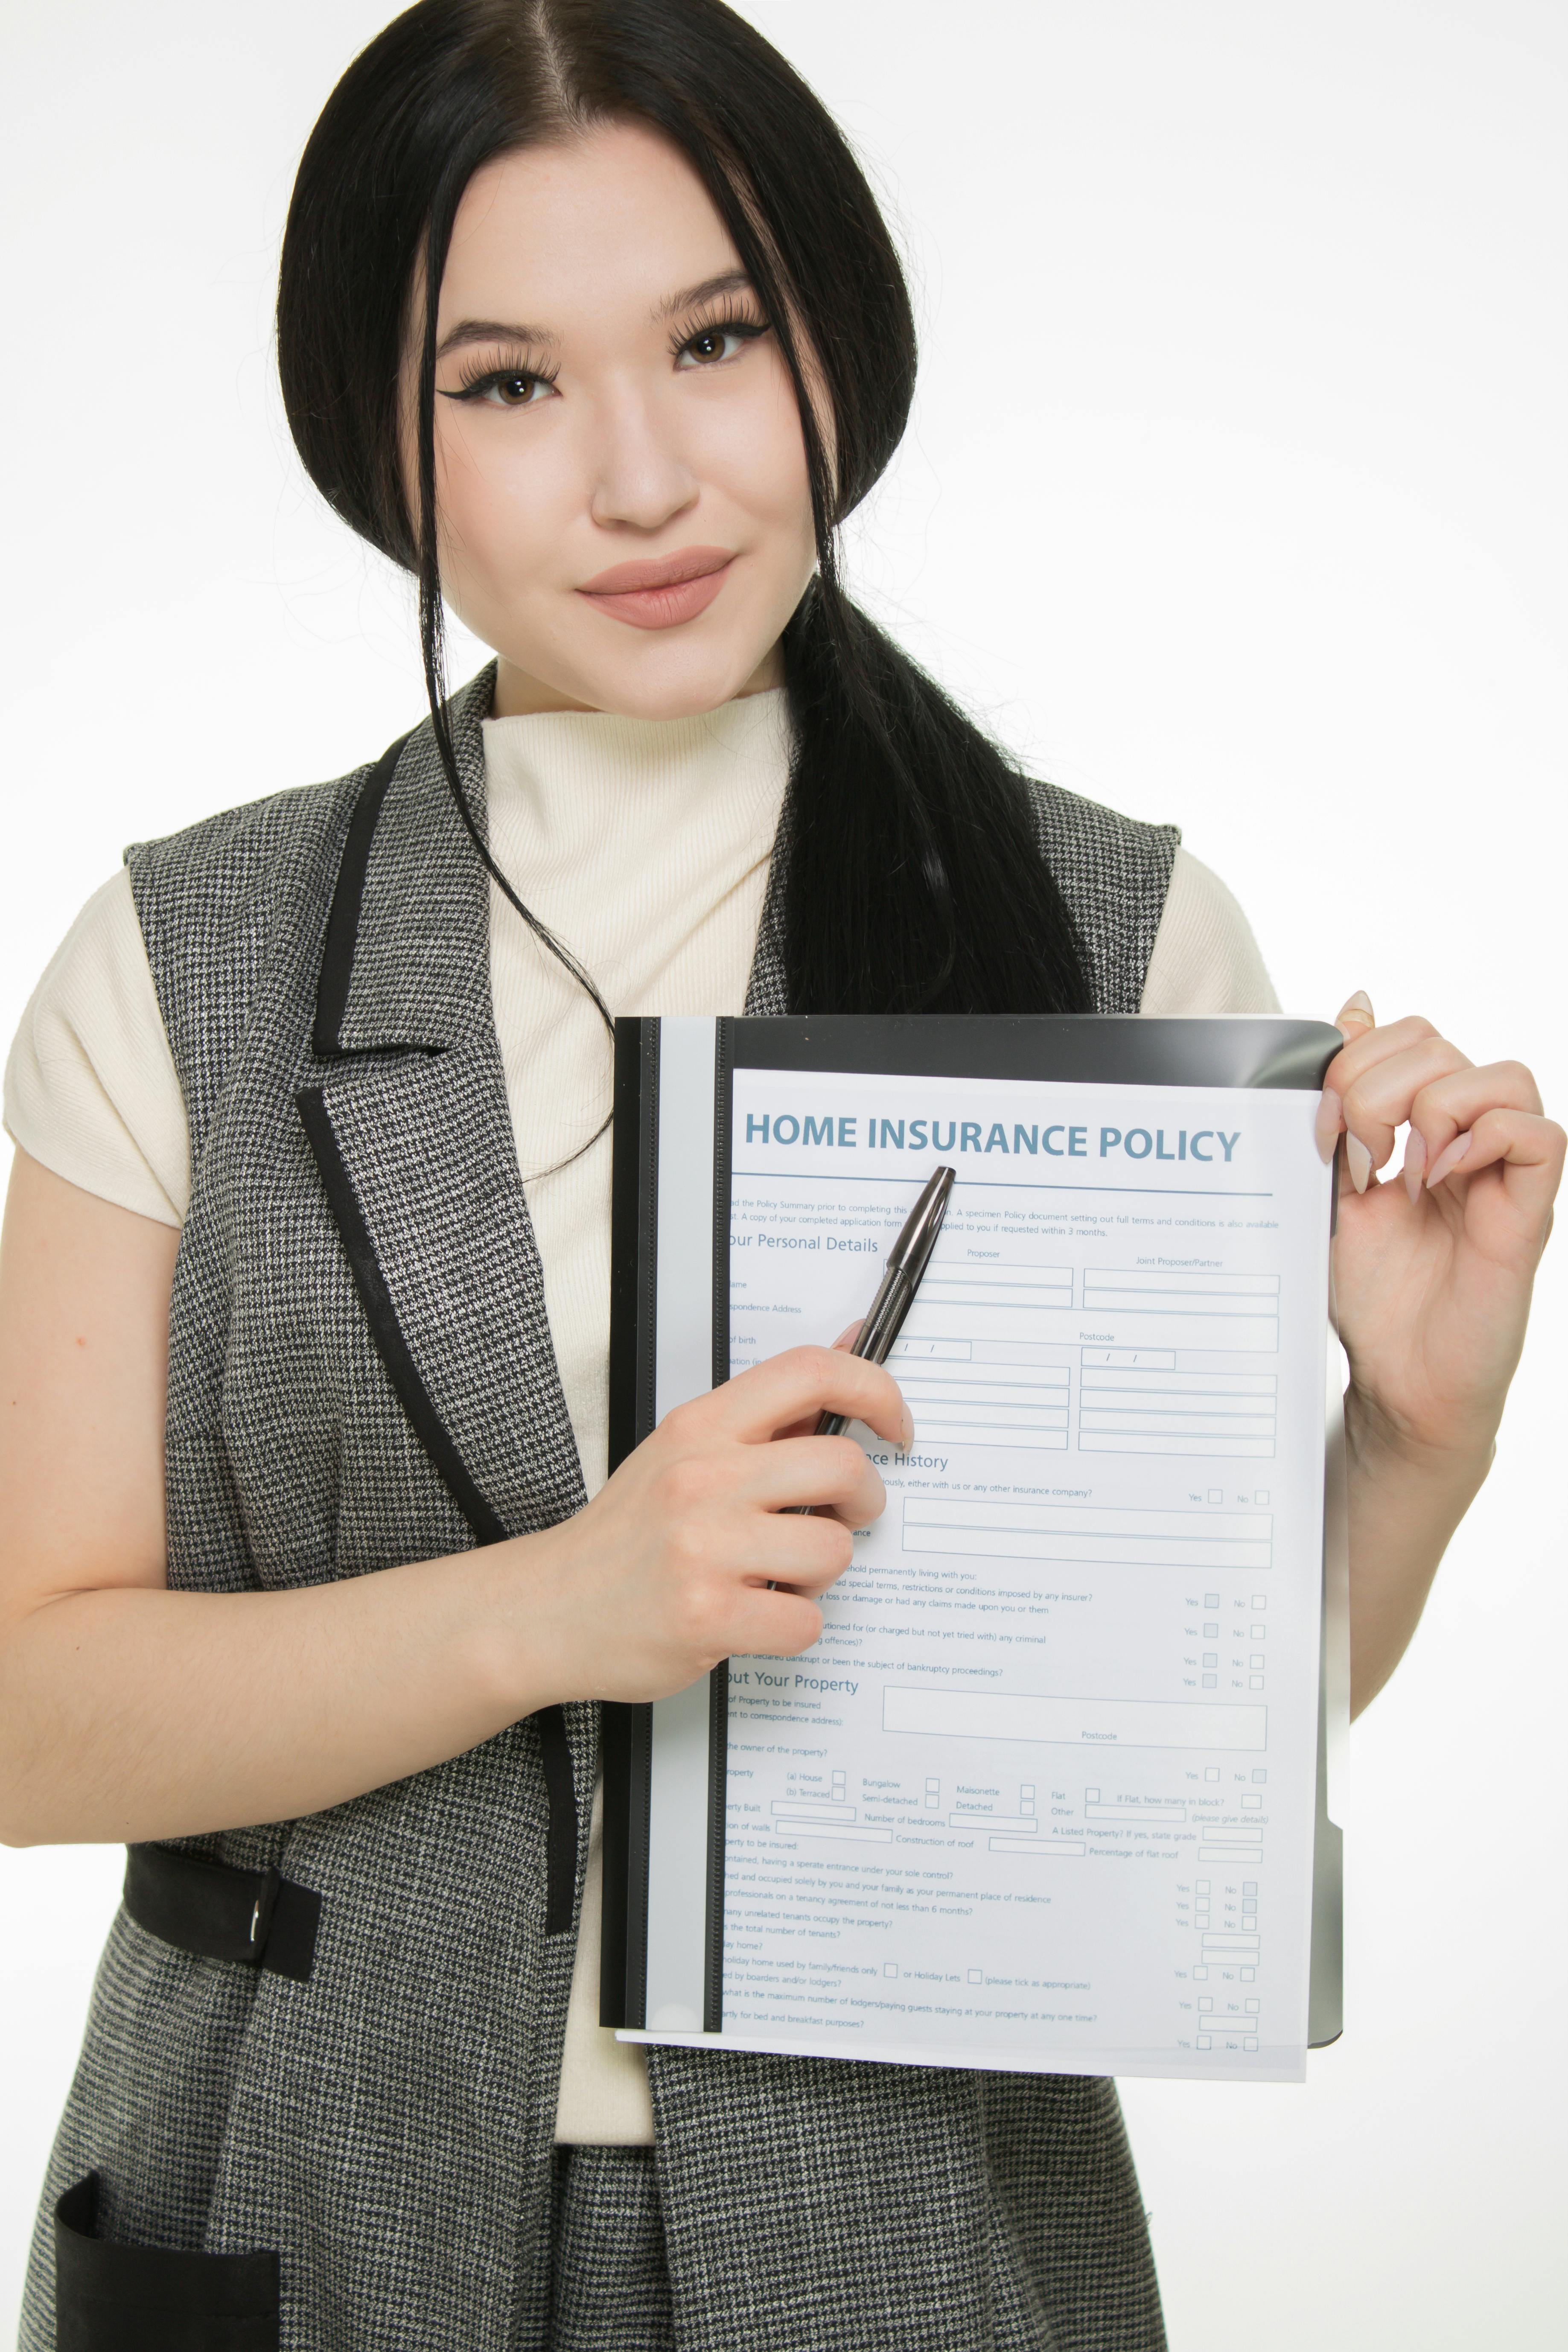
(588, 319)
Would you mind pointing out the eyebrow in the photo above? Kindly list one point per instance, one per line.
(732, 281)
(492, 330)
(504, 331)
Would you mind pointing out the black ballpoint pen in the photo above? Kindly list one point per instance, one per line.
(907, 1262)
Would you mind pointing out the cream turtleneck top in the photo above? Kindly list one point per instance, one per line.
(643, 846)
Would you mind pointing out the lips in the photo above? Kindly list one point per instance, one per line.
(660, 592)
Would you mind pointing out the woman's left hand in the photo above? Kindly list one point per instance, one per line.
(1432, 1277)
(1433, 1272)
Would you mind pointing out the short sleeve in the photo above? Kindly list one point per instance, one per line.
(91, 1091)
(1205, 959)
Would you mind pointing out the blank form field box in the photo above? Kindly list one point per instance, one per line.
(1122, 1309)
(1038, 1849)
(970, 1404)
(1176, 1412)
(1087, 1537)
(1073, 1722)
(933, 1794)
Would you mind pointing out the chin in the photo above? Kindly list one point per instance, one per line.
(682, 686)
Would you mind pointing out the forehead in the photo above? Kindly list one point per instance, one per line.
(595, 229)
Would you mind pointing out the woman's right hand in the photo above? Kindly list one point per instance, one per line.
(668, 1570)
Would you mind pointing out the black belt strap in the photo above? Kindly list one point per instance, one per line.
(222, 1913)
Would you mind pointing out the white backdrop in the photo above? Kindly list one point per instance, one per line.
(1235, 494)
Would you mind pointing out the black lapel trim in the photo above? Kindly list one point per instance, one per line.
(381, 1316)
(560, 1846)
(342, 922)
(555, 1747)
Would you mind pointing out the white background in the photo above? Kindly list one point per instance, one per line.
(1235, 495)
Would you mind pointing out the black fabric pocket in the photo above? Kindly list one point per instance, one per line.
(112, 2298)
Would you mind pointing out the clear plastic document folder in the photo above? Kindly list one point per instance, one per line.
(1057, 1789)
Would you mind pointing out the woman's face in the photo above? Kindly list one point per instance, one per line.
(621, 478)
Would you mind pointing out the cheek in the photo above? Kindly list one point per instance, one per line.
(502, 498)
(756, 456)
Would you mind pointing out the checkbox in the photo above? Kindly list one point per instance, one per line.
(1249, 1885)
(890, 1968)
(1260, 1602)
(1251, 1804)
(976, 1975)
(1249, 2045)
(1207, 2002)
(1211, 1681)
(1211, 1657)
(1211, 1771)
(1203, 2041)
(1247, 1975)
(1211, 1600)
(1257, 1662)
(1201, 1976)
(1211, 1633)
(1255, 1681)
(1203, 1886)
(1254, 2005)
(1216, 1494)
(1261, 1496)
(1260, 1633)
(1259, 1773)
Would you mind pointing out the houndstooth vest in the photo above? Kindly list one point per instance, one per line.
(384, 2126)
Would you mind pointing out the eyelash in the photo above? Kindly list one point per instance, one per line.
(748, 324)
(475, 382)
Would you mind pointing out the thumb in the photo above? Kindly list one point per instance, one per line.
(1356, 1017)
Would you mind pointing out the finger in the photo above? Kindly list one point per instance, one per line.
(851, 1333)
(805, 1554)
(1380, 1097)
(773, 1624)
(1453, 1103)
(802, 1383)
(1367, 1047)
(1529, 1148)
(829, 1473)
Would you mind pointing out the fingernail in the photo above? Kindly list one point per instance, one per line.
(1358, 1160)
(909, 1437)
(1331, 1116)
(1447, 1160)
(1360, 1004)
(1415, 1163)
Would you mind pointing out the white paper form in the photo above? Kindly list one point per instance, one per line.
(1042, 1796)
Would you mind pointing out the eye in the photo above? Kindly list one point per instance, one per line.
(511, 387)
(514, 388)
(725, 339)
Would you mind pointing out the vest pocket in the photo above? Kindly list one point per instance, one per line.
(112, 2298)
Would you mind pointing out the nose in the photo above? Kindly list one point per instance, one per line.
(640, 480)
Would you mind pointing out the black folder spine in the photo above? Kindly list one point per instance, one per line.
(719, 1681)
(627, 1731)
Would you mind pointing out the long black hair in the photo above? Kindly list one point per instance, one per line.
(913, 880)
